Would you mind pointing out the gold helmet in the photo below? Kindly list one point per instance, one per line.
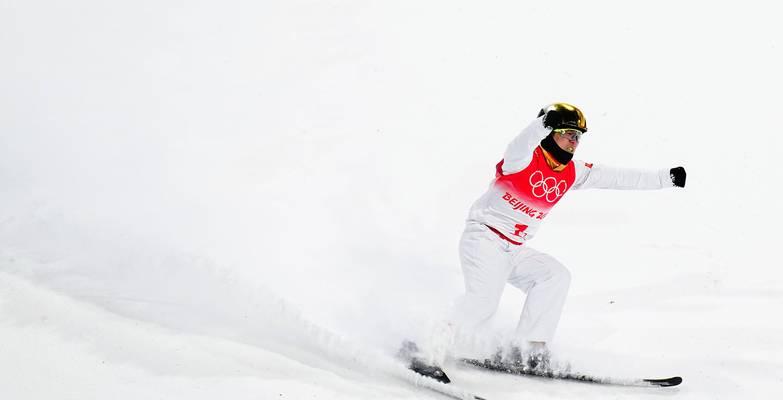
(564, 116)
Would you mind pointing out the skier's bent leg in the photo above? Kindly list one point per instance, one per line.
(547, 289)
(485, 267)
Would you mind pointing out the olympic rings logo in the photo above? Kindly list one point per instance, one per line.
(548, 188)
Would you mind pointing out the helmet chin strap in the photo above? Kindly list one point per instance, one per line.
(562, 156)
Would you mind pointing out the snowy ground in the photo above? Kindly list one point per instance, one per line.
(260, 200)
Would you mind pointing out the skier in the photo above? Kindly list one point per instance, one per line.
(536, 171)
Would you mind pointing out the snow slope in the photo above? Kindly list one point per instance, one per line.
(262, 199)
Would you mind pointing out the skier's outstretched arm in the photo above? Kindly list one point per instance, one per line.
(520, 151)
(604, 177)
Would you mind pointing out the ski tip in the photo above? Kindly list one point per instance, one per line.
(666, 382)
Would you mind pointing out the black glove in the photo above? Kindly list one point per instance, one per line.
(552, 119)
(678, 176)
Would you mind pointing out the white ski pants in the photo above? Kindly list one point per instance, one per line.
(488, 262)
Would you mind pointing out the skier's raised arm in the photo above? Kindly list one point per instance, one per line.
(604, 177)
(520, 151)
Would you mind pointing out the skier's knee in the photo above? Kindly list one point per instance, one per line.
(562, 274)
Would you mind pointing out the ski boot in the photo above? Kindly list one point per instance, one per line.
(533, 360)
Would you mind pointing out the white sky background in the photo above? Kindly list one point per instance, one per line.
(329, 151)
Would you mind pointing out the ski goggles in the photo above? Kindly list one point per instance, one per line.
(571, 134)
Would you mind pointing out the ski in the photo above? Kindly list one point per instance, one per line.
(431, 377)
(566, 374)
(449, 390)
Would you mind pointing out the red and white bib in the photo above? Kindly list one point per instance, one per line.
(515, 204)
